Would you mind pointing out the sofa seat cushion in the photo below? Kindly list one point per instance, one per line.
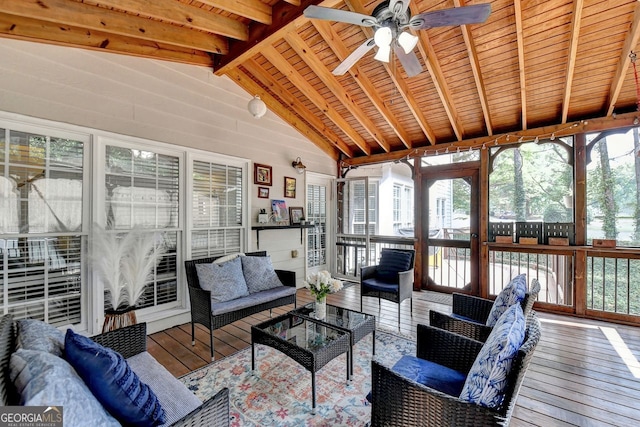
(380, 285)
(252, 299)
(391, 263)
(224, 280)
(43, 379)
(40, 336)
(174, 397)
(259, 273)
(112, 382)
(431, 374)
(487, 378)
(512, 294)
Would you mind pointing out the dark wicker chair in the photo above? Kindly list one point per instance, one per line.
(397, 401)
(200, 300)
(477, 311)
(395, 291)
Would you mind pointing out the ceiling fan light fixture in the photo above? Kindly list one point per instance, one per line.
(383, 37)
(407, 41)
(383, 54)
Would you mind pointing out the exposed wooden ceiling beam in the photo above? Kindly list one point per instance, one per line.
(178, 13)
(360, 76)
(278, 61)
(252, 9)
(253, 88)
(439, 81)
(286, 18)
(573, 48)
(564, 129)
(85, 16)
(523, 81)
(309, 57)
(475, 69)
(294, 103)
(31, 30)
(293, 2)
(623, 63)
(401, 86)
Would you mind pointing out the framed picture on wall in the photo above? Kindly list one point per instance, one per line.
(289, 187)
(261, 174)
(263, 192)
(296, 215)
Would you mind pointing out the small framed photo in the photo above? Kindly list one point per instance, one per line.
(261, 174)
(263, 192)
(296, 215)
(289, 187)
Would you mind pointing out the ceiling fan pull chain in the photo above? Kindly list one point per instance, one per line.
(633, 57)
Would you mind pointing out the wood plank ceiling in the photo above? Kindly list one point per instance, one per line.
(534, 68)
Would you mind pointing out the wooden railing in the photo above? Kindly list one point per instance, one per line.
(352, 251)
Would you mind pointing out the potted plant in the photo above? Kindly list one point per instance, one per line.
(124, 264)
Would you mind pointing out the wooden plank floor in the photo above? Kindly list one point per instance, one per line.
(584, 373)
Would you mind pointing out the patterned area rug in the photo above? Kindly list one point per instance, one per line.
(279, 394)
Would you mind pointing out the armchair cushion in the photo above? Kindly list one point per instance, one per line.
(393, 262)
(225, 281)
(487, 378)
(259, 273)
(430, 374)
(375, 284)
(512, 294)
(112, 382)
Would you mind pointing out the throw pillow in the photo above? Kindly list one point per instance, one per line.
(112, 382)
(487, 378)
(391, 263)
(225, 281)
(259, 273)
(38, 335)
(43, 379)
(512, 294)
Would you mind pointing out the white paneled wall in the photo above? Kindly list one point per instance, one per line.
(161, 101)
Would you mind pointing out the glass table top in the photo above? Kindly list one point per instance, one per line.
(306, 334)
(338, 316)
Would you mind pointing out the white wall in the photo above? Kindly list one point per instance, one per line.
(166, 102)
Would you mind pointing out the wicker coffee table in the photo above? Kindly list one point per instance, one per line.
(308, 342)
(356, 324)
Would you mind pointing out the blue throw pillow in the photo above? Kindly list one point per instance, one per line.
(38, 335)
(224, 280)
(512, 294)
(487, 378)
(259, 273)
(112, 382)
(391, 263)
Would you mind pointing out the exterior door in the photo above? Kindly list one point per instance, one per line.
(449, 231)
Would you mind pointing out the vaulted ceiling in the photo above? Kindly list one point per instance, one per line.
(534, 68)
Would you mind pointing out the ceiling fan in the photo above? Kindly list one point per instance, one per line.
(390, 19)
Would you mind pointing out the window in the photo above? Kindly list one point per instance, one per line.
(613, 180)
(402, 208)
(41, 225)
(142, 192)
(358, 203)
(216, 209)
(317, 236)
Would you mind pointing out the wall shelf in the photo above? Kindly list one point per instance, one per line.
(259, 228)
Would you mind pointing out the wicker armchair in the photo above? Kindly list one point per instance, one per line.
(476, 311)
(397, 289)
(397, 401)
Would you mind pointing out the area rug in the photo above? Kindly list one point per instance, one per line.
(279, 393)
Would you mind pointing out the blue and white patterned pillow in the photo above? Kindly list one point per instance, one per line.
(259, 273)
(43, 379)
(38, 335)
(487, 378)
(224, 280)
(512, 294)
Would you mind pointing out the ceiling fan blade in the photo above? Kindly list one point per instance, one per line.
(328, 14)
(409, 61)
(350, 60)
(455, 16)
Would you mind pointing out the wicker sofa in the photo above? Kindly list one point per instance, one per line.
(130, 342)
(216, 315)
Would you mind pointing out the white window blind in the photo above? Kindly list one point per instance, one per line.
(317, 236)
